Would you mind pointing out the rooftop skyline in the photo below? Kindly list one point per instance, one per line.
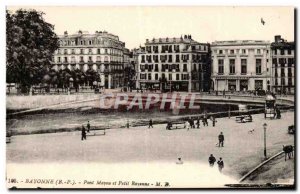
(134, 25)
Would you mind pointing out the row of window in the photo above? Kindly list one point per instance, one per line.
(95, 67)
(169, 67)
(283, 61)
(258, 51)
(173, 48)
(282, 72)
(75, 42)
(282, 51)
(169, 58)
(243, 66)
(89, 51)
(237, 51)
(163, 76)
(283, 82)
(81, 59)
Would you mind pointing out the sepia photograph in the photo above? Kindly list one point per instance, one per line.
(150, 97)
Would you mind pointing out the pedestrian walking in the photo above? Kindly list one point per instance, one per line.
(150, 123)
(206, 122)
(88, 126)
(83, 133)
(193, 123)
(205, 119)
(187, 124)
(198, 123)
(203, 122)
(278, 113)
(221, 139)
(213, 120)
(220, 165)
(169, 125)
(211, 160)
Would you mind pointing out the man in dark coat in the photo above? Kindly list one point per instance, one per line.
(83, 133)
(220, 164)
(221, 139)
(211, 160)
(198, 123)
(278, 113)
(150, 123)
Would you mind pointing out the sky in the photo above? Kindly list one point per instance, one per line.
(134, 25)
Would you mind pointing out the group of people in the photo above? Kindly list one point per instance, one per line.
(83, 131)
(212, 160)
(190, 123)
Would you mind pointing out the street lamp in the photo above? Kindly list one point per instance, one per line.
(265, 143)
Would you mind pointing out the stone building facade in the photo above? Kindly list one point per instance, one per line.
(103, 52)
(174, 64)
(241, 65)
(283, 66)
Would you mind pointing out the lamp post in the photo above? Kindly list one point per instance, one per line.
(265, 140)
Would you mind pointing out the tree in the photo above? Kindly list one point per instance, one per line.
(30, 44)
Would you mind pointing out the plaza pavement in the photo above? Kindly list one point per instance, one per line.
(143, 146)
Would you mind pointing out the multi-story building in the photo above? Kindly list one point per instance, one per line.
(241, 65)
(283, 66)
(134, 66)
(102, 52)
(174, 64)
(127, 67)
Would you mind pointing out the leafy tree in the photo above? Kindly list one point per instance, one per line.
(30, 45)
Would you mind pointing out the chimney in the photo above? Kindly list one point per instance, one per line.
(185, 36)
(147, 40)
(79, 32)
(66, 33)
(277, 38)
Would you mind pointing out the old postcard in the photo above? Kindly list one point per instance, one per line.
(150, 97)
